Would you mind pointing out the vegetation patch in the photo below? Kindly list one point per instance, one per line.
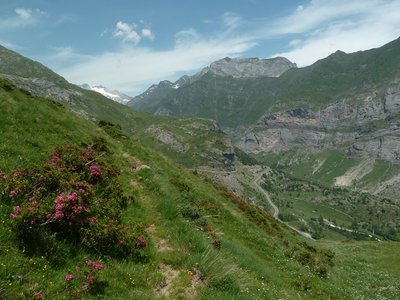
(73, 199)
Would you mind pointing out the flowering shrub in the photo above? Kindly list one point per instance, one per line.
(84, 278)
(74, 196)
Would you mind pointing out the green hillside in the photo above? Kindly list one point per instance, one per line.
(188, 238)
(180, 139)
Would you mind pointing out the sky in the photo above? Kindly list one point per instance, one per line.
(129, 45)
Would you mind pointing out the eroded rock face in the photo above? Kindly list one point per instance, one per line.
(369, 124)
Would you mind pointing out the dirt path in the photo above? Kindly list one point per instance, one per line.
(276, 209)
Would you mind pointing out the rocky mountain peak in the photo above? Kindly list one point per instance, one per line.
(110, 94)
(249, 67)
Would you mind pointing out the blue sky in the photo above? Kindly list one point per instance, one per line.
(128, 45)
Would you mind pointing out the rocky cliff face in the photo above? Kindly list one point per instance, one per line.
(370, 124)
(249, 67)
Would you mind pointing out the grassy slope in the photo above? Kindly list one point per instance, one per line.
(251, 262)
(40, 80)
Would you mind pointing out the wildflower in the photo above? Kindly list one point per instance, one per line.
(17, 209)
(93, 220)
(95, 171)
(78, 209)
(98, 265)
(38, 295)
(141, 242)
(12, 194)
(59, 214)
(72, 197)
(69, 277)
(90, 279)
(55, 159)
(13, 216)
(95, 265)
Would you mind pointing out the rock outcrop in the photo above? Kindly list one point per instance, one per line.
(370, 124)
(249, 67)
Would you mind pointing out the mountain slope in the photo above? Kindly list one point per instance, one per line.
(236, 102)
(209, 87)
(347, 103)
(203, 241)
(178, 139)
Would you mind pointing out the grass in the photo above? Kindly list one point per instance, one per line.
(236, 250)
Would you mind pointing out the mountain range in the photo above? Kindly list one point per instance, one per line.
(345, 105)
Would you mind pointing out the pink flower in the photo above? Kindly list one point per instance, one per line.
(12, 194)
(73, 197)
(55, 159)
(141, 242)
(38, 295)
(69, 277)
(90, 279)
(95, 265)
(95, 171)
(59, 214)
(93, 220)
(17, 209)
(13, 216)
(78, 209)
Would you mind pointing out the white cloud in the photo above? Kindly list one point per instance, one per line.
(126, 33)
(187, 36)
(22, 17)
(132, 69)
(340, 25)
(129, 33)
(231, 20)
(147, 33)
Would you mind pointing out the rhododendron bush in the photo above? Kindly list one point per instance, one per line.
(75, 196)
